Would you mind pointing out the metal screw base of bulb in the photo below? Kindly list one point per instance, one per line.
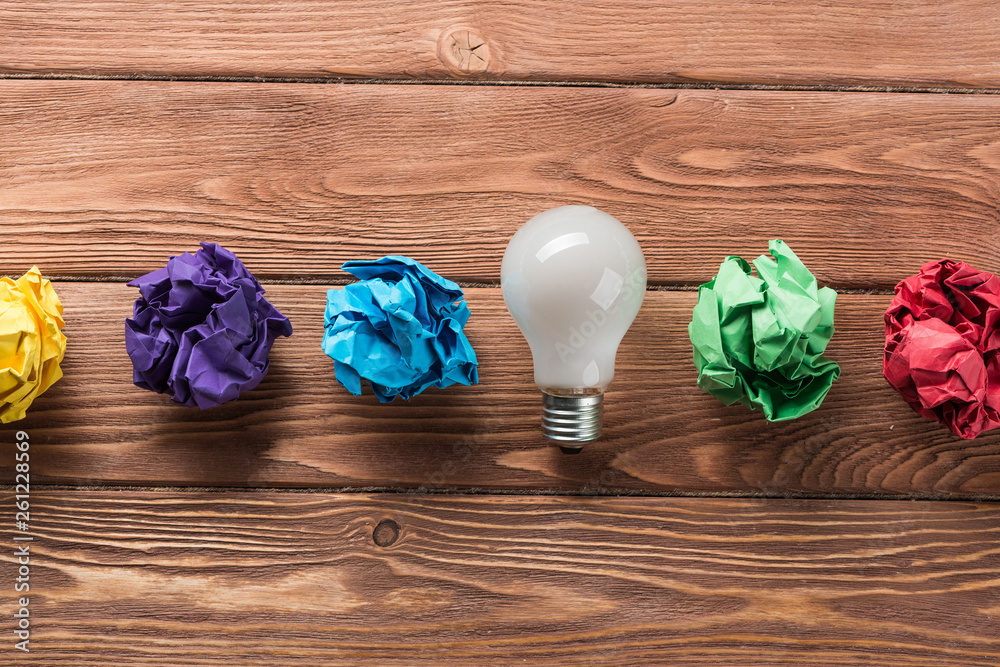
(572, 419)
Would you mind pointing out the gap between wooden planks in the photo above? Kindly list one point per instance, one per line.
(662, 434)
(146, 578)
(847, 42)
(106, 179)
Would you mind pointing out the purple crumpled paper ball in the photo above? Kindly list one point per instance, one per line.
(201, 330)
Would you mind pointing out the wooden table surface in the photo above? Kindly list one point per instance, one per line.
(301, 525)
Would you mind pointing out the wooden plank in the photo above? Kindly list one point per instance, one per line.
(109, 178)
(847, 42)
(142, 578)
(300, 428)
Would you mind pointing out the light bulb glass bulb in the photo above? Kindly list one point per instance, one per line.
(573, 278)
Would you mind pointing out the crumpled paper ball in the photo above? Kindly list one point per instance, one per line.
(942, 346)
(201, 329)
(32, 343)
(759, 340)
(400, 329)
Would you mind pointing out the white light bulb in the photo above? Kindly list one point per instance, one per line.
(573, 278)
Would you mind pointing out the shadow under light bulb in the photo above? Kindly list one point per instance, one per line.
(573, 279)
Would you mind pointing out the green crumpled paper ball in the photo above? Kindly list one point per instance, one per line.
(759, 340)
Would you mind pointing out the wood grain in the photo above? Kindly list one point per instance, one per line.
(300, 428)
(846, 42)
(109, 178)
(142, 578)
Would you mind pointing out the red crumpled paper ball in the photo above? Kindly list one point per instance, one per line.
(942, 346)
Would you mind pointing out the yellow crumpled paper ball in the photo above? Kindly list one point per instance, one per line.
(32, 343)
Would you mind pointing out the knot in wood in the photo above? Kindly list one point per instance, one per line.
(386, 532)
(464, 51)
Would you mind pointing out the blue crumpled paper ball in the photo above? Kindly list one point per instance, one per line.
(201, 329)
(400, 329)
